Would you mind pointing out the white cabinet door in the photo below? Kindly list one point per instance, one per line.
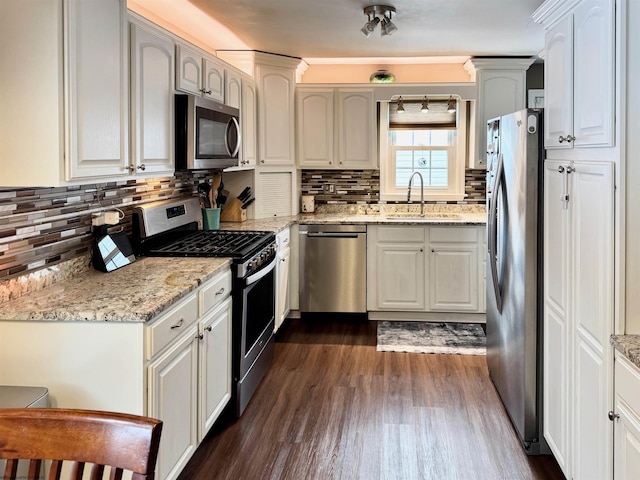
(276, 125)
(356, 129)
(591, 231)
(214, 365)
(593, 75)
(580, 67)
(453, 282)
(152, 104)
(578, 315)
(396, 273)
(189, 70)
(626, 449)
(248, 117)
(173, 398)
(213, 79)
(557, 347)
(558, 94)
(282, 291)
(233, 89)
(96, 87)
(315, 133)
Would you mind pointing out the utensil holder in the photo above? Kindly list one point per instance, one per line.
(233, 212)
(210, 218)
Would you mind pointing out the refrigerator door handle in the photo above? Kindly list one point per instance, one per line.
(492, 243)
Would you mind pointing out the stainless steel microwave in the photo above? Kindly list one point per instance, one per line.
(207, 133)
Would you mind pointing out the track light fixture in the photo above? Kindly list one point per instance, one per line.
(451, 105)
(379, 14)
(425, 105)
(400, 108)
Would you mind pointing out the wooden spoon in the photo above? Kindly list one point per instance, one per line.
(213, 193)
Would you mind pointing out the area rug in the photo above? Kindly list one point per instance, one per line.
(431, 337)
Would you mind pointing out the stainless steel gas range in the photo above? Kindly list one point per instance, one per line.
(170, 229)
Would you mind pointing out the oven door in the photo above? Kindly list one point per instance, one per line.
(257, 315)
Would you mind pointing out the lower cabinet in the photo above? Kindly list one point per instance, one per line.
(177, 367)
(425, 268)
(626, 446)
(283, 258)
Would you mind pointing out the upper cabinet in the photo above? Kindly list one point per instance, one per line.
(336, 128)
(199, 74)
(152, 104)
(276, 87)
(248, 117)
(579, 75)
(71, 56)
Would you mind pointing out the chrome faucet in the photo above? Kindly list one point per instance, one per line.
(421, 192)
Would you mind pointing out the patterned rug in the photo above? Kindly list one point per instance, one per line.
(431, 337)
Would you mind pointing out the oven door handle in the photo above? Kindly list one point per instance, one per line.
(258, 275)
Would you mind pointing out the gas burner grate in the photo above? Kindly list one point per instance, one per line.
(213, 243)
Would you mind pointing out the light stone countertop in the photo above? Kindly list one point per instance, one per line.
(629, 346)
(135, 293)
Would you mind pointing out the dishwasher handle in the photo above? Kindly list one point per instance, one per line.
(332, 234)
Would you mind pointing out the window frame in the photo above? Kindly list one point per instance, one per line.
(455, 190)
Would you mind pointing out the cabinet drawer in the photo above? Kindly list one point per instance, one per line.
(214, 293)
(401, 234)
(453, 234)
(282, 239)
(171, 325)
(627, 382)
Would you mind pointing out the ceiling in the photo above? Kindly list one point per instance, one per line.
(320, 29)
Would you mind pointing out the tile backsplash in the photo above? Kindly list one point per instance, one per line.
(43, 226)
(363, 186)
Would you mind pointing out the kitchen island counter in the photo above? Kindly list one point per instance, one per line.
(135, 293)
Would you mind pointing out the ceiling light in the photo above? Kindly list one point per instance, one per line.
(376, 14)
(425, 105)
(400, 108)
(451, 105)
(387, 27)
(370, 26)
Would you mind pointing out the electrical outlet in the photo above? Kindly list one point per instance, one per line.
(329, 188)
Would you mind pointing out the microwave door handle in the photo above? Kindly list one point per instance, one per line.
(238, 137)
(226, 138)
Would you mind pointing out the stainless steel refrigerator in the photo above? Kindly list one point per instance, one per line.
(514, 269)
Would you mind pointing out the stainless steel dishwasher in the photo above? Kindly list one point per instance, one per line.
(333, 268)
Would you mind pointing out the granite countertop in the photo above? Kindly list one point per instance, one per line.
(629, 346)
(135, 293)
(453, 215)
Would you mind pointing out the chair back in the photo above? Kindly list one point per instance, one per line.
(82, 438)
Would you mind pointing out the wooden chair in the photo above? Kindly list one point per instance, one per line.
(80, 437)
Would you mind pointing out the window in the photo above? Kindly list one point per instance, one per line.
(430, 144)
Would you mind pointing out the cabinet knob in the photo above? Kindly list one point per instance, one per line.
(261, 161)
(205, 91)
(612, 415)
(200, 336)
(131, 168)
(568, 139)
(209, 328)
(141, 166)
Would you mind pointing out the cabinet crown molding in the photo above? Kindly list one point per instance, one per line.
(551, 10)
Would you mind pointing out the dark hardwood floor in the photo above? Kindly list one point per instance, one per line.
(332, 407)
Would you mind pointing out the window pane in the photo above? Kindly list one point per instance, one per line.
(441, 137)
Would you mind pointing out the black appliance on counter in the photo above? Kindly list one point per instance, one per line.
(169, 228)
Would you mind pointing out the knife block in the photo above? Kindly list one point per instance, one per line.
(233, 212)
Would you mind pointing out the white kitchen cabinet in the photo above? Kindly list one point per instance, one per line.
(454, 277)
(233, 88)
(173, 368)
(579, 67)
(199, 74)
(417, 268)
(214, 365)
(626, 416)
(71, 56)
(152, 103)
(578, 315)
(275, 193)
(283, 266)
(248, 117)
(315, 127)
(336, 128)
(396, 268)
(276, 127)
(356, 129)
(173, 398)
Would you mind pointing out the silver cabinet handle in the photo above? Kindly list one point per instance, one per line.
(177, 325)
(568, 139)
(142, 167)
(219, 292)
(209, 328)
(613, 416)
